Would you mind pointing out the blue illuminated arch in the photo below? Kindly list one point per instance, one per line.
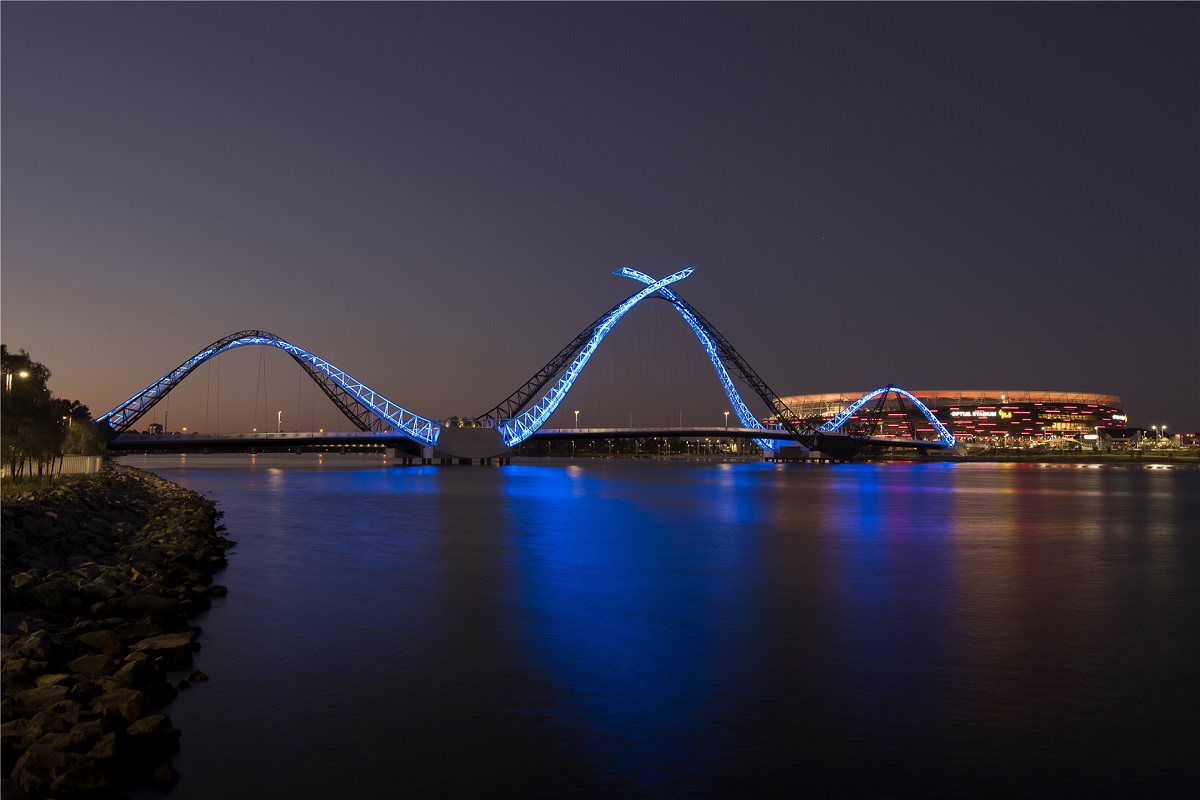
(744, 415)
(388, 414)
(518, 429)
(944, 435)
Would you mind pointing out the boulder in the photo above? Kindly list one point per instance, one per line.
(41, 646)
(42, 697)
(55, 678)
(24, 580)
(139, 672)
(20, 671)
(87, 777)
(149, 604)
(153, 737)
(126, 703)
(109, 747)
(39, 766)
(78, 739)
(95, 664)
(104, 641)
(18, 734)
(174, 648)
(165, 777)
(134, 631)
(49, 722)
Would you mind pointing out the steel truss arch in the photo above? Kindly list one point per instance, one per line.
(721, 353)
(520, 427)
(363, 406)
(838, 421)
(515, 403)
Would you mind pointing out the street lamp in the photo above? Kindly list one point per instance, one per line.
(8, 376)
(577, 420)
(727, 420)
(1155, 429)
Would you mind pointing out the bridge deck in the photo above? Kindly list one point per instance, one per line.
(235, 441)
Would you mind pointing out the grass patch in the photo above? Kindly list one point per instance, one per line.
(34, 483)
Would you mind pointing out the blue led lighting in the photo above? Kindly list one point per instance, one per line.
(944, 435)
(743, 413)
(399, 419)
(518, 429)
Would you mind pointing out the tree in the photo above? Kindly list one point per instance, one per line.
(35, 426)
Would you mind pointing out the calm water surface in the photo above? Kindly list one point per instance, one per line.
(603, 629)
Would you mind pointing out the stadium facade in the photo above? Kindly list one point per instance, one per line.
(987, 415)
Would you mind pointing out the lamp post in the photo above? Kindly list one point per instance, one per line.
(1155, 429)
(8, 376)
(726, 420)
(576, 420)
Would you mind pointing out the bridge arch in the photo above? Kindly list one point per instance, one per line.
(521, 426)
(363, 406)
(720, 352)
(944, 435)
(518, 424)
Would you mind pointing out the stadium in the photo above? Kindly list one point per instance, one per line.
(977, 415)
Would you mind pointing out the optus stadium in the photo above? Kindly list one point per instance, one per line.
(976, 415)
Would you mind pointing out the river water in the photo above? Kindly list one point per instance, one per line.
(695, 629)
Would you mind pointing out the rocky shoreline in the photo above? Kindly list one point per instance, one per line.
(100, 578)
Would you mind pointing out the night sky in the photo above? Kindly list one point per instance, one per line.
(433, 197)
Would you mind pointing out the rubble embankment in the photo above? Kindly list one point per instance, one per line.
(100, 579)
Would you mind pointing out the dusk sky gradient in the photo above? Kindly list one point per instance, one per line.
(433, 197)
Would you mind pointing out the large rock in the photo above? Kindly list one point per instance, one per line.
(42, 697)
(41, 646)
(87, 777)
(39, 766)
(153, 738)
(18, 734)
(19, 672)
(134, 631)
(149, 604)
(174, 648)
(94, 664)
(127, 703)
(138, 672)
(104, 641)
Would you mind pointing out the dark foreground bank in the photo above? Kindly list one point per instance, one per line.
(100, 578)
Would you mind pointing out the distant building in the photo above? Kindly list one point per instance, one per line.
(154, 428)
(982, 414)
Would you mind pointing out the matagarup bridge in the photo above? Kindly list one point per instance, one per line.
(494, 433)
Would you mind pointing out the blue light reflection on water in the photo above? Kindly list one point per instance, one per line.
(708, 630)
(633, 623)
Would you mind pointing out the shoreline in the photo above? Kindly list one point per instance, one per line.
(101, 576)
